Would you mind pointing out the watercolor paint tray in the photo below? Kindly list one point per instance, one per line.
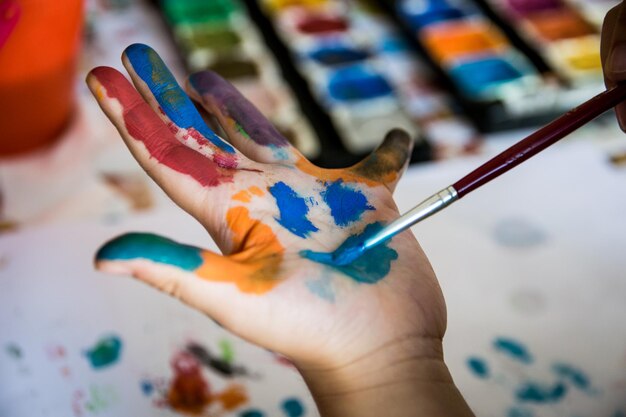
(501, 78)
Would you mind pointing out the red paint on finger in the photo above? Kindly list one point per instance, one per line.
(144, 125)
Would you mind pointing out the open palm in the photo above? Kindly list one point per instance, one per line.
(270, 211)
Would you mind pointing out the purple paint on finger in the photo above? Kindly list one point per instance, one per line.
(235, 106)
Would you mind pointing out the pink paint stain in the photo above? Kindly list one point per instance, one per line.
(143, 124)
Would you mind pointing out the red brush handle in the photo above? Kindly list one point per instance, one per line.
(540, 140)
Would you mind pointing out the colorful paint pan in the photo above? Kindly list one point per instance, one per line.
(456, 40)
(331, 54)
(321, 24)
(480, 79)
(199, 11)
(421, 13)
(357, 82)
(234, 68)
(558, 24)
(579, 59)
(277, 5)
(526, 7)
(220, 39)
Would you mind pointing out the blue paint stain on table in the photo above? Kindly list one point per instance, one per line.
(346, 203)
(535, 392)
(252, 413)
(293, 407)
(514, 349)
(105, 352)
(518, 411)
(478, 367)
(573, 375)
(293, 210)
(147, 387)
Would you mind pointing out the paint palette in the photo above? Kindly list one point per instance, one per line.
(444, 70)
(366, 77)
(510, 62)
(560, 33)
(218, 35)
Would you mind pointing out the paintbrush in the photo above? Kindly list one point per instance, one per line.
(510, 158)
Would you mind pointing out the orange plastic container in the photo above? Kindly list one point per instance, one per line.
(37, 69)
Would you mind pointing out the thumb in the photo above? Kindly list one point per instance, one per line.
(388, 162)
(198, 277)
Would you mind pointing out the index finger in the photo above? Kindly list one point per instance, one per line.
(181, 171)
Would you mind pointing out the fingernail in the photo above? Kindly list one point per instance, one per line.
(617, 60)
(116, 268)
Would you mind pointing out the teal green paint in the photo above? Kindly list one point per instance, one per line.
(534, 392)
(252, 413)
(369, 268)
(514, 349)
(106, 352)
(293, 407)
(573, 375)
(519, 412)
(14, 351)
(152, 247)
(479, 367)
(322, 288)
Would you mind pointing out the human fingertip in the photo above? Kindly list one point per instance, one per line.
(114, 268)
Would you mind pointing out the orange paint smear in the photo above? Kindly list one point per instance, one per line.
(346, 175)
(454, 40)
(245, 196)
(257, 257)
(232, 397)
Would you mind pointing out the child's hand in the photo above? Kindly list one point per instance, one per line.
(264, 204)
(614, 53)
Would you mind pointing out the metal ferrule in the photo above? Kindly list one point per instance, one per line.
(425, 209)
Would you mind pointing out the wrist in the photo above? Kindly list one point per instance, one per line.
(402, 378)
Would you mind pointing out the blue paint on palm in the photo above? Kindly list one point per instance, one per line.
(293, 210)
(364, 269)
(514, 349)
(172, 99)
(538, 393)
(151, 247)
(293, 407)
(478, 367)
(347, 204)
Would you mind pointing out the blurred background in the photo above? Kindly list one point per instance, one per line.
(541, 247)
